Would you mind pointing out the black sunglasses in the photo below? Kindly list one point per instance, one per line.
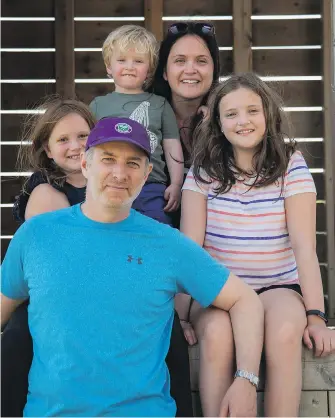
(182, 27)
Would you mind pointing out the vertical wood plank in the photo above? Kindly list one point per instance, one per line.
(328, 15)
(331, 402)
(242, 28)
(64, 39)
(153, 14)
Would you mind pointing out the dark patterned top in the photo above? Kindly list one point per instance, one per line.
(74, 194)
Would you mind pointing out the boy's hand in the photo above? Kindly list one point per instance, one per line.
(172, 195)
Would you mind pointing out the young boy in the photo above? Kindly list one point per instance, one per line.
(130, 56)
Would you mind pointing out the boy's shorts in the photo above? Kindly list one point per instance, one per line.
(150, 202)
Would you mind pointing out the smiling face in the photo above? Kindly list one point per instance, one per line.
(116, 172)
(189, 69)
(242, 119)
(129, 69)
(67, 141)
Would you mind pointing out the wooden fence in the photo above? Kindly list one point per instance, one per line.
(58, 50)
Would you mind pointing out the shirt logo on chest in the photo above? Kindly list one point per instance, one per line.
(138, 259)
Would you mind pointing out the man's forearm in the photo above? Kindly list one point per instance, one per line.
(182, 303)
(247, 317)
(8, 306)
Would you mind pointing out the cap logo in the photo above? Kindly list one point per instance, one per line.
(123, 128)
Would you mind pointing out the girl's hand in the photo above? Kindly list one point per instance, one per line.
(172, 195)
(189, 332)
(321, 337)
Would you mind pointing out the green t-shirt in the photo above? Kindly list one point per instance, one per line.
(152, 111)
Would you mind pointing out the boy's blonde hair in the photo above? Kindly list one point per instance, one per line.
(132, 36)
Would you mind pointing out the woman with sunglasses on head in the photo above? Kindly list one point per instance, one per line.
(188, 69)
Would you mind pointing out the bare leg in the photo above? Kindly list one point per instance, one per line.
(285, 321)
(214, 332)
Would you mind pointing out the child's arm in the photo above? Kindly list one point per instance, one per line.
(174, 157)
(301, 215)
(44, 198)
(175, 164)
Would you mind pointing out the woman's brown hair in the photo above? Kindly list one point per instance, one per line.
(37, 130)
(213, 153)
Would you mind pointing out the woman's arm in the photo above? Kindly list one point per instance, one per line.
(301, 223)
(44, 198)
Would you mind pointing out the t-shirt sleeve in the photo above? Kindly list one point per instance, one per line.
(13, 283)
(199, 274)
(196, 186)
(169, 123)
(94, 108)
(298, 178)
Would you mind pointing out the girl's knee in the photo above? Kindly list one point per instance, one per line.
(215, 329)
(284, 334)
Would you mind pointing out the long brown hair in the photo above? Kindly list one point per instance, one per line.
(213, 153)
(37, 130)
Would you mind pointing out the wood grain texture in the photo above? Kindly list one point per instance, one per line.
(27, 34)
(24, 95)
(286, 7)
(286, 32)
(287, 62)
(115, 8)
(198, 7)
(64, 56)
(31, 8)
(242, 35)
(27, 65)
(93, 34)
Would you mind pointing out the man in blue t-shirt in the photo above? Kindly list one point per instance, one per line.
(101, 279)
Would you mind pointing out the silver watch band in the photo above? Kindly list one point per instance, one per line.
(253, 379)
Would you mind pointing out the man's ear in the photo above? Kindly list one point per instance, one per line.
(83, 164)
(148, 171)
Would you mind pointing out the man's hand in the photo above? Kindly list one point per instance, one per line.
(320, 337)
(172, 195)
(189, 332)
(240, 400)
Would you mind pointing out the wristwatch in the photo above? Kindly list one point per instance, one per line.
(318, 313)
(253, 379)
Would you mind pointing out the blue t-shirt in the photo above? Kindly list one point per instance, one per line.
(101, 309)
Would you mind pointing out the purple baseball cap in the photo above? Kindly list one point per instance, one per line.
(119, 129)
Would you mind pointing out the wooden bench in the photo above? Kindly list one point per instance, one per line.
(318, 392)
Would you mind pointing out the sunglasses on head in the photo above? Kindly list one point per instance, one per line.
(182, 27)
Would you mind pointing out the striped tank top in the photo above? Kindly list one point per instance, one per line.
(246, 228)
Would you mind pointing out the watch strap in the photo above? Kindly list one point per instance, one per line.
(318, 313)
(253, 379)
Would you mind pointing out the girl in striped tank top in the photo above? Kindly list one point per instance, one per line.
(250, 201)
